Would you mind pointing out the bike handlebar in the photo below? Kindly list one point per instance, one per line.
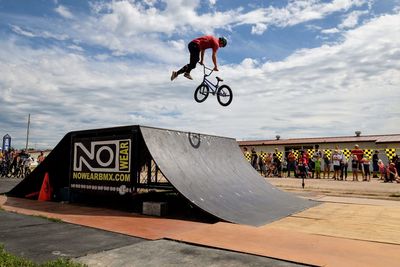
(204, 69)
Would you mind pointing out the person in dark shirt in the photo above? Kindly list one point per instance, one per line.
(375, 167)
(254, 158)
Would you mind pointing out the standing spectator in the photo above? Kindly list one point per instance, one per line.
(396, 162)
(268, 164)
(305, 159)
(284, 167)
(375, 167)
(359, 153)
(336, 160)
(300, 166)
(311, 167)
(343, 168)
(40, 158)
(317, 154)
(277, 164)
(254, 158)
(291, 160)
(382, 169)
(14, 164)
(354, 167)
(327, 165)
(261, 166)
(317, 163)
(367, 173)
(27, 166)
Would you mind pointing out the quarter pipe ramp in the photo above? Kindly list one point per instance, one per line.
(210, 171)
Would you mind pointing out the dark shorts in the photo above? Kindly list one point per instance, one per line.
(366, 168)
(336, 167)
(375, 167)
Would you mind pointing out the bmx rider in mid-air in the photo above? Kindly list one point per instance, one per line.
(196, 49)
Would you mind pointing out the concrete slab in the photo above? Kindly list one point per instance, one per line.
(169, 253)
(6, 184)
(40, 240)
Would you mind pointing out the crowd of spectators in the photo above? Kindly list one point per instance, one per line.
(321, 165)
(17, 163)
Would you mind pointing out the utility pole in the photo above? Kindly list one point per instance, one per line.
(27, 132)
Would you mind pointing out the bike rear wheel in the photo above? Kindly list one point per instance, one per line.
(224, 95)
(201, 93)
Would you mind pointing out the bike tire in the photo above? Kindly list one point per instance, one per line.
(224, 95)
(201, 93)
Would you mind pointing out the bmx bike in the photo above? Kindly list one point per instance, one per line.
(223, 92)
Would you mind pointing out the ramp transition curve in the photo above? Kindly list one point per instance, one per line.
(212, 173)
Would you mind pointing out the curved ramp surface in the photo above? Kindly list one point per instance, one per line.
(212, 173)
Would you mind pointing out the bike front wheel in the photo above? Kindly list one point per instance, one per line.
(201, 93)
(224, 95)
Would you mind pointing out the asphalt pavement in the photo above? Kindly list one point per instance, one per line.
(41, 239)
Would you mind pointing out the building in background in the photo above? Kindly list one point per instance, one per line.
(387, 145)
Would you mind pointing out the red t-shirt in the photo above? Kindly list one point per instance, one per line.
(359, 153)
(207, 41)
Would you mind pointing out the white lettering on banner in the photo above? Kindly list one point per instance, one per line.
(115, 156)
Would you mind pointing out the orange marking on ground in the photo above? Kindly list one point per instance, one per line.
(101, 218)
(270, 241)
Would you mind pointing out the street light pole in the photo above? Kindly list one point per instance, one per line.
(27, 132)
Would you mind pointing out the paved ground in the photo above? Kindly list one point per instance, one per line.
(41, 239)
(321, 236)
(171, 253)
(6, 184)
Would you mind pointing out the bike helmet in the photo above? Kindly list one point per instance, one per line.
(223, 41)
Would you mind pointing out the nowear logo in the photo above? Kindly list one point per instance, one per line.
(102, 156)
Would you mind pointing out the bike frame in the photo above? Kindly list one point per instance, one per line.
(213, 87)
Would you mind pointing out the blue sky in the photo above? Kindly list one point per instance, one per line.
(297, 68)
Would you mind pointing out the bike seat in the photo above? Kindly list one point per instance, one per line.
(219, 79)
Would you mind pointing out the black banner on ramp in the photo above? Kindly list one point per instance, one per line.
(101, 164)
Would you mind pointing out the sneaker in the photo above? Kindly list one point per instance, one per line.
(187, 75)
(174, 75)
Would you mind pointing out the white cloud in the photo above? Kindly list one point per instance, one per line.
(40, 34)
(21, 31)
(352, 19)
(64, 12)
(330, 31)
(321, 91)
(126, 27)
(123, 26)
(76, 47)
(258, 28)
(296, 12)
